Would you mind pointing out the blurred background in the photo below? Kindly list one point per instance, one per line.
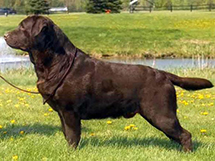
(22, 6)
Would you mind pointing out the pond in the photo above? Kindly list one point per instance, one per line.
(8, 60)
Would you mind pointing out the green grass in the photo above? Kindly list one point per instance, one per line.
(156, 34)
(43, 139)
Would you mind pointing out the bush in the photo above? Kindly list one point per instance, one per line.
(37, 7)
(101, 6)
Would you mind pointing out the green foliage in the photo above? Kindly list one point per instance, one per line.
(101, 6)
(38, 6)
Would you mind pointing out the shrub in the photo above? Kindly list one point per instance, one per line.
(101, 6)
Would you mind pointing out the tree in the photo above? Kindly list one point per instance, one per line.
(99, 6)
(37, 6)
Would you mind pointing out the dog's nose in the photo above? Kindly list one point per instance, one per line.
(6, 36)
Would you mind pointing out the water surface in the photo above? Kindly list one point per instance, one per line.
(9, 60)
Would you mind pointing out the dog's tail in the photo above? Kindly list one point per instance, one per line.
(189, 83)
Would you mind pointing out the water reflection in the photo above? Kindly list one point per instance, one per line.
(8, 60)
(167, 63)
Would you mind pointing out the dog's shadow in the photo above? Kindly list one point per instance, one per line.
(121, 141)
(37, 128)
(116, 141)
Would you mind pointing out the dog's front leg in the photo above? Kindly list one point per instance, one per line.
(71, 124)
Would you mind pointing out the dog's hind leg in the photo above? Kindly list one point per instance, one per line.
(71, 125)
(159, 109)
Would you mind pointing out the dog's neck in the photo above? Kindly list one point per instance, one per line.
(50, 66)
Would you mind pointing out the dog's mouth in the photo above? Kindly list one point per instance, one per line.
(13, 44)
(8, 41)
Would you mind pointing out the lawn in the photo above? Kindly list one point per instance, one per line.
(30, 131)
(156, 34)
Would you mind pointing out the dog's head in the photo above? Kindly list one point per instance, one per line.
(34, 32)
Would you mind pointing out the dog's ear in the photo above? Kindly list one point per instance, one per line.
(44, 36)
(38, 28)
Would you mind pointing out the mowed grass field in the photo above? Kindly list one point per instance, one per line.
(30, 131)
(156, 34)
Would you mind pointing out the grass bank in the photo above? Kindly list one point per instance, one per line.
(31, 131)
(156, 34)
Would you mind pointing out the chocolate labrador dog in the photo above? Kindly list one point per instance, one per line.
(79, 87)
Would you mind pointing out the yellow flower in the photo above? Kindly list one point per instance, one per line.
(1, 127)
(26, 105)
(211, 104)
(201, 96)
(21, 132)
(208, 95)
(12, 121)
(45, 114)
(203, 131)
(15, 157)
(132, 125)
(177, 110)
(127, 128)
(135, 128)
(92, 134)
(5, 132)
(204, 113)
(50, 110)
(8, 101)
(109, 122)
(16, 105)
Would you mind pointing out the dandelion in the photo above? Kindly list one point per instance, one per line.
(109, 122)
(5, 132)
(8, 101)
(208, 95)
(16, 105)
(92, 134)
(211, 104)
(21, 132)
(204, 113)
(12, 121)
(177, 110)
(11, 139)
(1, 126)
(132, 125)
(15, 157)
(45, 114)
(203, 131)
(50, 110)
(127, 128)
(201, 96)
